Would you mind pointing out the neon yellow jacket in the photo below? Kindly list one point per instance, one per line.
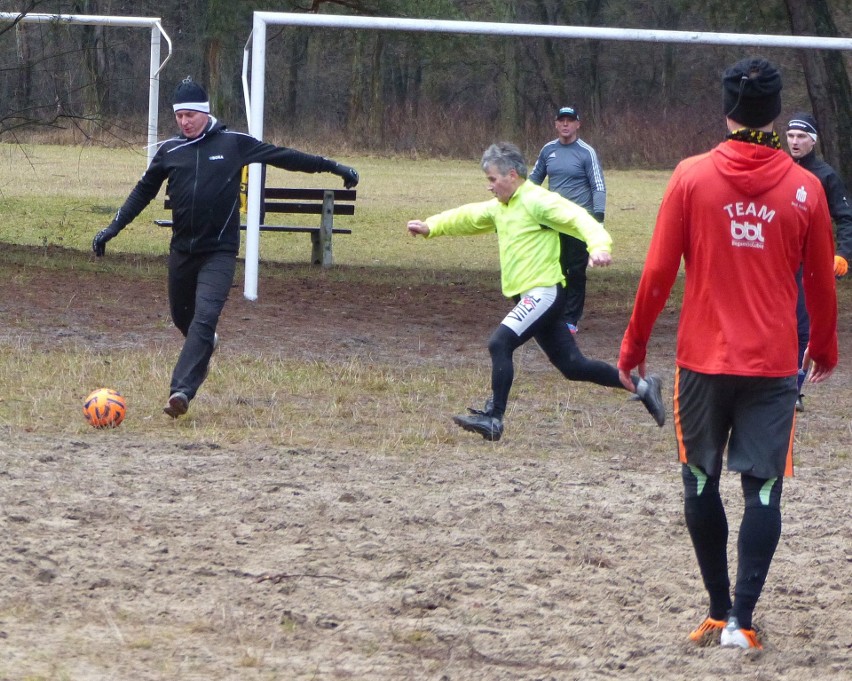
(529, 252)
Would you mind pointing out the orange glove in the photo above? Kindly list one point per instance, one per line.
(841, 267)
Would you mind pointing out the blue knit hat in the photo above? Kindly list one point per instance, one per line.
(804, 122)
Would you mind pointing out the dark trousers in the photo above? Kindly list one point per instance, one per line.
(803, 323)
(574, 258)
(198, 288)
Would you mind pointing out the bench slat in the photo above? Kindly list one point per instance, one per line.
(300, 208)
(289, 228)
(298, 193)
(306, 208)
(274, 228)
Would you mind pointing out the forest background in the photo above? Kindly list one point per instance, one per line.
(643, 105)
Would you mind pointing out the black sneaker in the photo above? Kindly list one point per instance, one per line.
(489, 427)
(178, 405)
(487, 410)
(800, 405)
(653, 399)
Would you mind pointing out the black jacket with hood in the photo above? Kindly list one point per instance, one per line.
(838, 203)
(204, 176)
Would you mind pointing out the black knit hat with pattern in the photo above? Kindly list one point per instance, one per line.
(190, 96)
(751, 90)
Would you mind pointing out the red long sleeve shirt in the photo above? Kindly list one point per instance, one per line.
(743, 217)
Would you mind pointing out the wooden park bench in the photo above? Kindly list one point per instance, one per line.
(286, 200)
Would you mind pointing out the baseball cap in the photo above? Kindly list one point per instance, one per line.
(570, 111)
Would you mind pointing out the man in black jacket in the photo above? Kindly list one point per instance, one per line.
(203, 166)
(801, 140)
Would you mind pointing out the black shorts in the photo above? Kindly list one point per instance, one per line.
(754, 416)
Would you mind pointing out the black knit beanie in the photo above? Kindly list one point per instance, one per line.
(804, 122)
(190, 96)
(751, 90)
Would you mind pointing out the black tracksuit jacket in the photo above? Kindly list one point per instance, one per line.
(204, 185)
(838, 203)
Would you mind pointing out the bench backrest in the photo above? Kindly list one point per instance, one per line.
(296, 200)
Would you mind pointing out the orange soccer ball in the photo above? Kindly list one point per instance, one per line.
(104, 408)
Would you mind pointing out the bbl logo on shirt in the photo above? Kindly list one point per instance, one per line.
(747, 220)
(747, 234)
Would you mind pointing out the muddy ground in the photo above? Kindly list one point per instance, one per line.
(193, 560)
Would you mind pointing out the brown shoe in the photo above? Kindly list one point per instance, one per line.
(177, 406)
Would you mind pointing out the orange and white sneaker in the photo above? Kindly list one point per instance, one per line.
(735, 637)
(707, 632)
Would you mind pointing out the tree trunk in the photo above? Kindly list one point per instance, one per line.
(827, 82)
(593, 11)
(376, 112)
(298, 44)
(508, 109)
(94, 49)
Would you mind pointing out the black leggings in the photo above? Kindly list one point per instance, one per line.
(760, 530)
(559, 346)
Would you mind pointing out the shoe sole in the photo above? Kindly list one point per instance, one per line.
(489, 434)
(177, 406)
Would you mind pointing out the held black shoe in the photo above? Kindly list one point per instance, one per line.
(652, 398)
(488, 426)
(177, 405)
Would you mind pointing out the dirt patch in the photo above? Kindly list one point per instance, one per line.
(137, 559)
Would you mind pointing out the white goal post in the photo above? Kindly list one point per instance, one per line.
(95, 20)
(254, 92)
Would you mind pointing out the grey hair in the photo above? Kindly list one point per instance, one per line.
(505, 156)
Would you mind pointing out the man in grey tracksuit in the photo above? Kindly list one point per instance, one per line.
(573, 171)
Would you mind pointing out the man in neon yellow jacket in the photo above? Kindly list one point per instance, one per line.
(527, 219)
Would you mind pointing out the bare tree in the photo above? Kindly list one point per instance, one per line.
(827, 82)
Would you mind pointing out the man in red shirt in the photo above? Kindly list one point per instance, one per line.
(743, 217)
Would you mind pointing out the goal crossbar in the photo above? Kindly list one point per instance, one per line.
(254, 91)
(155, 65)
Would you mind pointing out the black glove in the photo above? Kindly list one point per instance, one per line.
(349, 175)
(599, 216)
(100, 241)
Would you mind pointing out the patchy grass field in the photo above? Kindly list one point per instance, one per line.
(317, 515)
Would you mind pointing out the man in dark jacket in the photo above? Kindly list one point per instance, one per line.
(203, 166)
(801, 140)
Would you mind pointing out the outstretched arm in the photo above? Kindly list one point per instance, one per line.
(255, 151)
(143, 193)
(416, 227)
